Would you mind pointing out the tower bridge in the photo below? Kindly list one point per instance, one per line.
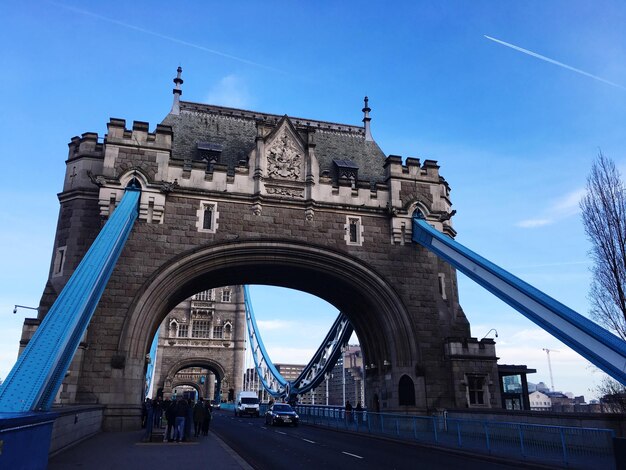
(217, 196)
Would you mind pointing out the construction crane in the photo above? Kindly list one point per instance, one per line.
(548, 351)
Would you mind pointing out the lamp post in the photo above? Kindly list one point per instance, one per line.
(343, 372)
(494, 330)
(24, 306)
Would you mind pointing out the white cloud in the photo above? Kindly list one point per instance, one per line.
(266, 325)
(569, 204)
(561, 208)
(532, 223)
(230, 91)
(287, 355)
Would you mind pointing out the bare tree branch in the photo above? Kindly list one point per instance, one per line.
(604, 218)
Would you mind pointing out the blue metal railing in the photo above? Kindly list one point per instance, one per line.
(553, 445)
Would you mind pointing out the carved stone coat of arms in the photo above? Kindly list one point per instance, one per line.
(283, 158)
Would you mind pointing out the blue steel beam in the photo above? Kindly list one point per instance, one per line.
(590, 340)
(39, 371)
(313, 374)
(260, 356)
(326, 356)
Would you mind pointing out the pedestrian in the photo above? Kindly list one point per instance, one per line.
(198, 417)
(170, 416)
(181, 414)
(144, 413)
(206, 422)
(359, 412)
(149, 421)
(157, 410)
(348, 411)
(189, 419)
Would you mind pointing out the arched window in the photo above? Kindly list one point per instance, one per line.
(406, 391)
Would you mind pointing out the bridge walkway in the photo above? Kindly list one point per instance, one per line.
(123, 450)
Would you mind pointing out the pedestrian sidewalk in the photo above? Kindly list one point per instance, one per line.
(125, 450)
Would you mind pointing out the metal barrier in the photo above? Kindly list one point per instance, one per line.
(554, 445)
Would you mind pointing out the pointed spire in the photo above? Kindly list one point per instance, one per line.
(177, 92)
(366, 120)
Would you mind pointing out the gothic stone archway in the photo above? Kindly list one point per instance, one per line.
(231, 197)
(200, 333)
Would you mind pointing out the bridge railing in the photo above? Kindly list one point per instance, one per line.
(570, 447)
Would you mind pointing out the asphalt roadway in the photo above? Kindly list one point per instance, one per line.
(310, 447)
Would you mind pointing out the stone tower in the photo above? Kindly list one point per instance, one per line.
(232, 197)
(205, 333)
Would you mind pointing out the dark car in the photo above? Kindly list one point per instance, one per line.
(281, 413)
(215, 405)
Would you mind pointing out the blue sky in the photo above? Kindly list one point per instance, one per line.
(514, 134)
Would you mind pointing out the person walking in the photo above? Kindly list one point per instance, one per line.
(170, 415)
(189, 420)
(348, 411)
(359, 412)
(198, 417)
(206, 422)
(181, 414)
(157, 411)
(149, 420)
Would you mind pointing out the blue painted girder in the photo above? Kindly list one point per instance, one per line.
(587, 338)
(39, 371)
(312, 375)
(326, 356)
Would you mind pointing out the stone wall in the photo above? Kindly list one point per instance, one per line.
(74, 425)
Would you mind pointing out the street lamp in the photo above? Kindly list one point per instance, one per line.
(494, 330)
(24, 306)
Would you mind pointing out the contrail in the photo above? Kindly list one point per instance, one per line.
(555, 62)
(163, 36)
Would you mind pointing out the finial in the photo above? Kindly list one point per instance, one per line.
(177, 92)
(366, 120)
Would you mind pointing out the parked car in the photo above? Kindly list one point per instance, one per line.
(281, 413)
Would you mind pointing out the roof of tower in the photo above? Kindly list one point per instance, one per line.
(235, 131)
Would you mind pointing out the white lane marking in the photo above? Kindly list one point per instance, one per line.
(352, 455)
(263, 427)
(312, 442)
(280, 432)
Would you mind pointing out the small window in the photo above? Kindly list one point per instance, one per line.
(475, 388)
(218, 332)
(183, 331)
(206, 295)
(207, 217)
(200, 329)
(354, 231)
(226, 295)
(59, 261)
(442, 285)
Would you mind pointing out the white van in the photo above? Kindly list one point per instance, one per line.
(247, 404)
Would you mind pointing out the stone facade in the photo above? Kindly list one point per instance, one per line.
(231, 197)
(201, 344)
